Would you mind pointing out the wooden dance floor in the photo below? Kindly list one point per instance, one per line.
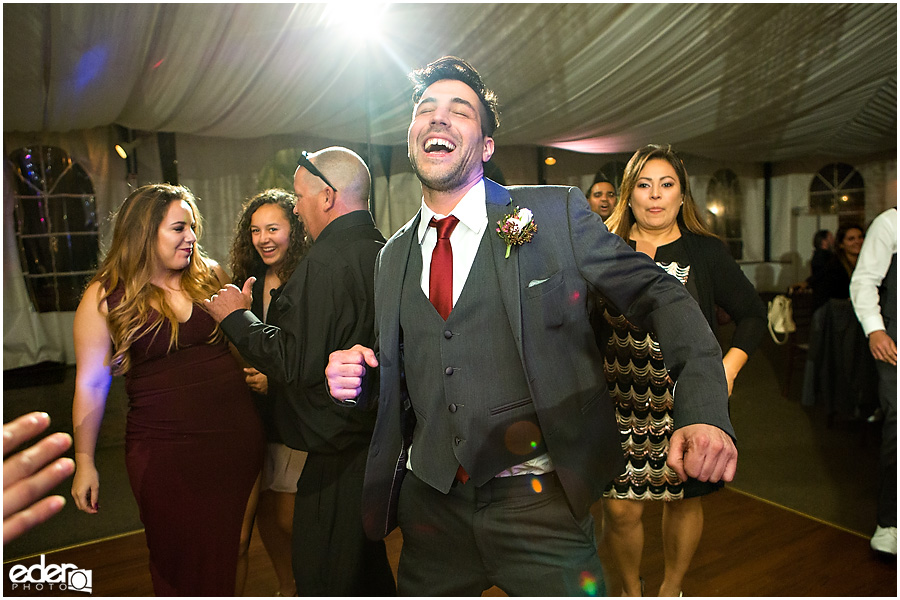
(749, 548)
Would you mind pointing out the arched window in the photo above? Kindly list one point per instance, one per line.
(838, 189)
(56, 226)
(724, 206)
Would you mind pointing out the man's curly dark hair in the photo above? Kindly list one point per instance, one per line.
(245, 260)
(451, 67)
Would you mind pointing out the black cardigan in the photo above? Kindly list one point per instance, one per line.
(721, 282)
(715, 280)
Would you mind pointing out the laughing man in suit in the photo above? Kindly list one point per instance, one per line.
(495, 417)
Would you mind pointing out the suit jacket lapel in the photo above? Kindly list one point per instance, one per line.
(499, 204)
(396, 272)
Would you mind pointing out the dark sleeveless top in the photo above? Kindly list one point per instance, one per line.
(193, 448)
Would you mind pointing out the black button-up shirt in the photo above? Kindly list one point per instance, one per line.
(327, 304)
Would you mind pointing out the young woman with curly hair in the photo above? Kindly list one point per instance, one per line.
(193, 441)
(269, 241)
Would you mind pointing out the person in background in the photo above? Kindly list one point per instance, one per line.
(873, 292)
(31, 473)
(327, 304)
(658, 217)
(833, 280)
(268, 244)
(495, 432)
(193, 441)
(823, 252)
(602, 196)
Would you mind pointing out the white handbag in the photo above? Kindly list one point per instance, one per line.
(781, 319)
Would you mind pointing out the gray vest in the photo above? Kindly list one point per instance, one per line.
(887, 298)
(465, 379)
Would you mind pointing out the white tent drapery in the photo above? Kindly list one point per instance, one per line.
(744, 82)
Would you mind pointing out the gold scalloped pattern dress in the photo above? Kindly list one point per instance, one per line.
(641, 389)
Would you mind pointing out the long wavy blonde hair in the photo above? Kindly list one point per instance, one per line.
(131, 263)
(622, 218)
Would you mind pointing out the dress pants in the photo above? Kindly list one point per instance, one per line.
(331, 555)
(517, 533)
(887, 393)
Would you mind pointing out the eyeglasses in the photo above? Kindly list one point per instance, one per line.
(304, 162)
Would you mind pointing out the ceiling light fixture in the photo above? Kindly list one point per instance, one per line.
(124, 149)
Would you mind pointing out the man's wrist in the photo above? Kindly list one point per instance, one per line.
(236, 320)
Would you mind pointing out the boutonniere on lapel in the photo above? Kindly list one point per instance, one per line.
(516, 228)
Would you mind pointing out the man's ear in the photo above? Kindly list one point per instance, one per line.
(330, 198)
(488, 149)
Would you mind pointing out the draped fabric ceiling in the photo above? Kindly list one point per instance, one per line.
(738, 82)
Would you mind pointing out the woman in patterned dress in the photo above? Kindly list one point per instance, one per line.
(657, 215)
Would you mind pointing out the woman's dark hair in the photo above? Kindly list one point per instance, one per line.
(245, 260)
(842, 232)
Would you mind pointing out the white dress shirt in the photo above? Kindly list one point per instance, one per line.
(465, 239)
(871, 267)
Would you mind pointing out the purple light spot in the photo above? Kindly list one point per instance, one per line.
(90, 66)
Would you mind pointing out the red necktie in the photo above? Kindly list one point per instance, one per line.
(440, 279)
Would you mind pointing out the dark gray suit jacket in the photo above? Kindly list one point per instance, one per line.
(544, 286)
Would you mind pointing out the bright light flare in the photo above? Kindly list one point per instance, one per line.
(359, 21)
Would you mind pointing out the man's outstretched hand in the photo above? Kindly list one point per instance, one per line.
(703, 452)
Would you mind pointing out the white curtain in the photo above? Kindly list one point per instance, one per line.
(742, 82)
(30, 337)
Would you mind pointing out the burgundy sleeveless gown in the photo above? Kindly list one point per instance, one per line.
(193, 448)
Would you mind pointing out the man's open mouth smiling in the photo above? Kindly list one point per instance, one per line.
(438, 145)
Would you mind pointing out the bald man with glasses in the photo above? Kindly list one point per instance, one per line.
(326, 305)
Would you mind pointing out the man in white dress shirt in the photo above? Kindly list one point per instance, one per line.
(873, 291)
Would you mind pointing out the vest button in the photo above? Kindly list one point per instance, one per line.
(457, 441)
(452, 408)
(448, 334)
(448, 371)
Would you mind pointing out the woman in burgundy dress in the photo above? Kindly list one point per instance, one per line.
(193, 442)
